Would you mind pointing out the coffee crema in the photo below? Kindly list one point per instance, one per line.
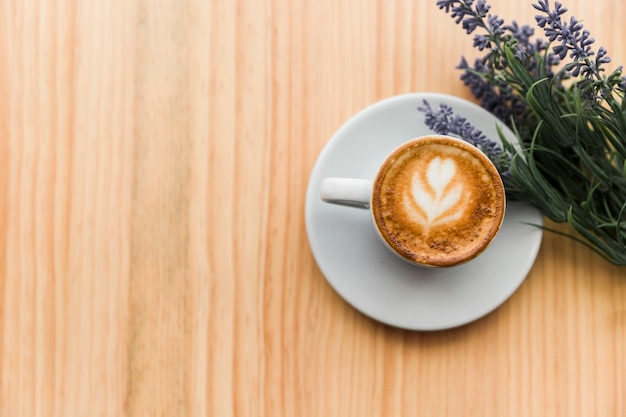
(438, 201)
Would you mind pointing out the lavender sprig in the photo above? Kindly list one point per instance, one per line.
(443, 121)
(570, 37)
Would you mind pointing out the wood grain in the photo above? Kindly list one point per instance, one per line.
(154, 156)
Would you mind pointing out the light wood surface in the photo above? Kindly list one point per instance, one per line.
(154, 157)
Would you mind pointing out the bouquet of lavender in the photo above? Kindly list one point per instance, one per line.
(569, 116)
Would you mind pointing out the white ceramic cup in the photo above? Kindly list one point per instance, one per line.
(436, 201)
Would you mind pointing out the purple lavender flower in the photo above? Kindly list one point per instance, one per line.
(443, 121)
(522, 33)
(526, 48)
(570, 37)
(602, 58)
(462, 12)
(495, 100)
(550, 16)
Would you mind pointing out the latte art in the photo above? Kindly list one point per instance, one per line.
(438, 201)
(435, 198)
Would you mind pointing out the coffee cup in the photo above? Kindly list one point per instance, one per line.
(436, 201)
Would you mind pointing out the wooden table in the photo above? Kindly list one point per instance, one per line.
(154, 157)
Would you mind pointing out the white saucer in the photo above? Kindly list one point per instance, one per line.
(375, 281)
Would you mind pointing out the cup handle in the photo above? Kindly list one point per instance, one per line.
(346, 192)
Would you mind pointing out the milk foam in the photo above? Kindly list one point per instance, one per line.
(434, 197)
(438, 202)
